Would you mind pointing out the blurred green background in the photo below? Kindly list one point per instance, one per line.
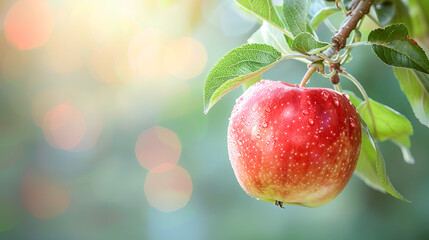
(103, 136)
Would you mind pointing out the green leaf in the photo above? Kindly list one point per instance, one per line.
(389, 123)
(251, 81)
(296, 15)
(415, 85)
(353, 98)
(235, 68)
(266, 11)
(321, 15)
(267, 34)
(305, 43)
(393, 47)
(371, 166)
(404, 144)
(365, 167)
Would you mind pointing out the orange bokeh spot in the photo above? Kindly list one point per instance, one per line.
(43, 199)
(168, 187)
(185, 58)
(28, 23)
(64, 126)
(156, 146)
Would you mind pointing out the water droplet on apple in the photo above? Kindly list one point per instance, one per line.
(346, 96)
(268, 142)
(352, 123)
(258, 136)
(265, 124)
(325, 95)
(240, 142)
(267, 109)
(336, 101)
(311, 121)
(253, 109)
(305, 112)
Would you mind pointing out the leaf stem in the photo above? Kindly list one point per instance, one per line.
(313, 58)
(365, 96)
(307, 75)
(357, 44)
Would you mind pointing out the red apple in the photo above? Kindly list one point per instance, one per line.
(293, 145)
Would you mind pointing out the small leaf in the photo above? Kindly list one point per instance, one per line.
(392, 46)
(235, 68)
(296, 15)
(389, 123)
(264, 10)
(321, 15)
(305, 43)
(371, 166)
(267, 34)
(415, 85)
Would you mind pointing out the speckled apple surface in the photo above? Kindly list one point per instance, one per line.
(294, 145)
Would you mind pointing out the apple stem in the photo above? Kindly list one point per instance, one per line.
(365, 96)
(312, 69)
(337, 87)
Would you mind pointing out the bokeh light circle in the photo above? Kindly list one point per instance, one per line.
(168, 187)
(157, 146)
(28, 23)
(64, 126)
(42, 198)
(185, 58)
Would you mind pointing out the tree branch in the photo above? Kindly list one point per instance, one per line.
(358, 9)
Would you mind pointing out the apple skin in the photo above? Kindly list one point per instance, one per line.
(293, 145)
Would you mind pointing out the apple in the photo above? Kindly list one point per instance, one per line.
(293, 145)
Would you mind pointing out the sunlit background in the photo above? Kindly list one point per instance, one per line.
(103, 136)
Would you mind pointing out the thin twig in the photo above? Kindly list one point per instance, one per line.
(355, 15)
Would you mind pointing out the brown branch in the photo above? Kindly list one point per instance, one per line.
(358, 9)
